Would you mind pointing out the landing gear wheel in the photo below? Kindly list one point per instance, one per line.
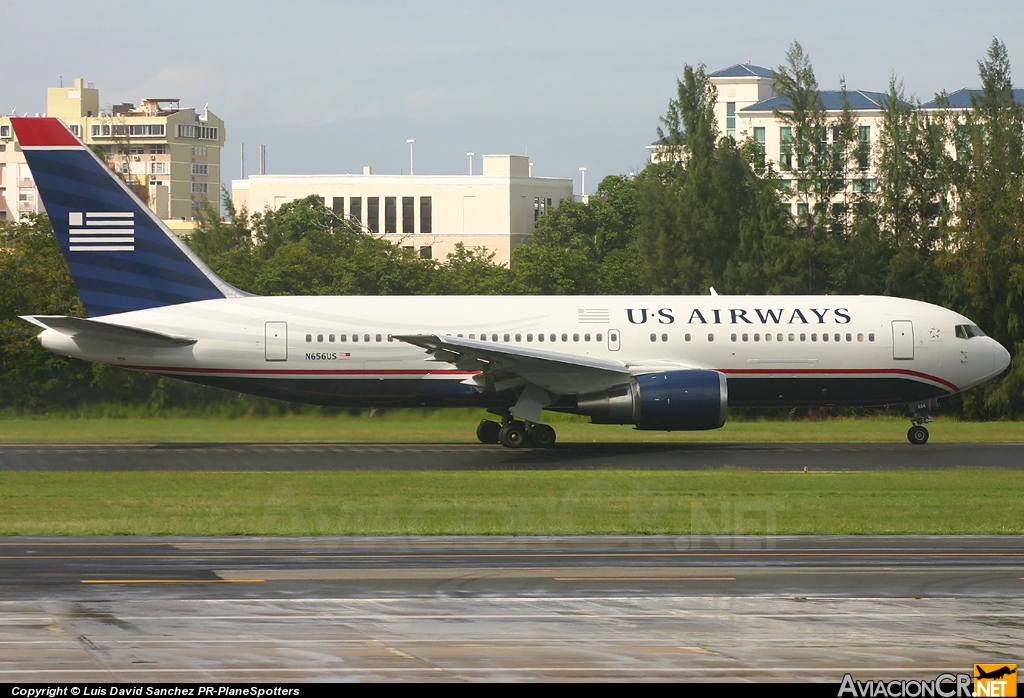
(917, 435)
(487, 431)
(512, 435)
(542, 436)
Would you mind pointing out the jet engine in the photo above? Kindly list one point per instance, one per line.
(690, 400)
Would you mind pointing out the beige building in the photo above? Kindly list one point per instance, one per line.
(169, 154)
(18, 195)
(496, 210)
(745, 109)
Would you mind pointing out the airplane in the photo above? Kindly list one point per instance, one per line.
(671, 363)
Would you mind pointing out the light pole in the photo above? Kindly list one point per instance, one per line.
(470, 163)
(583, 183)
(410, 141)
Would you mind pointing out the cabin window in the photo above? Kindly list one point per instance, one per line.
(342, 337)
(711, 337)
(598, 337)
(540, 338)
(519, 337)
(767, 338)
(792, 337)
(309, 338)
(330, 338)
(849, 337)
(575, 338)
(505, 338)
(494, 338)
(551, 337)
(565, 337)
(687, 336)
(355, 338)
(746, 337)
(871, 336)
(366, 337)
(733, 336)
(378, 338)
(814, 337)
(319, 338)
(778, 337)
(586, 337)
(837, 337)
(757, 337)
(803, 337)
(529, 337)
(390, 338)
(824, 337)
(860, 336)
(472, 336)
(654, 337)
(664, 337)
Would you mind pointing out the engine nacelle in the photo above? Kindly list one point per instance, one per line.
(690, 400)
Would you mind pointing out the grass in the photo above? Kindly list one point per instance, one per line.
(954, 501)
(459, 426)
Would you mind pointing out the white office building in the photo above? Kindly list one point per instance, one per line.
(431, 214)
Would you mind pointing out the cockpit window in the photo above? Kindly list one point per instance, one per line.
(968, 331)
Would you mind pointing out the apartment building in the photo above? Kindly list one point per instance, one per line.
(170, 155)
(431, 214)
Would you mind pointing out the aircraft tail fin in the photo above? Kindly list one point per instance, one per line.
(121, 255)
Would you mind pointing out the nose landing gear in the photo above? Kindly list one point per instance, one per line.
(513, 433)
(917, 434)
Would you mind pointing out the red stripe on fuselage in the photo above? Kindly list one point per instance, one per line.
(453, 372)
(305, 372)
(838, 371)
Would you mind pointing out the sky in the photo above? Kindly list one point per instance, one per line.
(330, 87)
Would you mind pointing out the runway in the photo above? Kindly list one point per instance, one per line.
(508, 608)
(264, 457)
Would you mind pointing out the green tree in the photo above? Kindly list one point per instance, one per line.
(985, 263)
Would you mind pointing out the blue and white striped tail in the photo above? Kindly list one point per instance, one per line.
(120, 254)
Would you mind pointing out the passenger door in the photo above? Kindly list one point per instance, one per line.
(276, 341)
(902, 339)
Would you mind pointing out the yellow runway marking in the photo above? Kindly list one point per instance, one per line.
(170, 581)
(645, 579)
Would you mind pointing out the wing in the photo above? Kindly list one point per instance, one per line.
(107, 332)
(505, 366)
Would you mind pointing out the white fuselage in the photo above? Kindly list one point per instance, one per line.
(775, 350)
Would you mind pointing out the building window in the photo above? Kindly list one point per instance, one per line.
(426, 225)
(427, 252)
(730, 120)
(159, 149)
(355, 208)
(205, 133)
(136, 150)
(864, 149)
(786, 147)
(408, 211)
(373, 213)
(201, 170)
(200, 187)
(198, 151)
(802, 209)
(759, 138)
(5, 131)
(76, 129)
(159, 167)
(390, 214)
(338, 205)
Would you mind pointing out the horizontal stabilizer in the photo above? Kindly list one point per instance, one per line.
(107, 332)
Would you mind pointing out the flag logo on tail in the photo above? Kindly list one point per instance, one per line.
(101, 231)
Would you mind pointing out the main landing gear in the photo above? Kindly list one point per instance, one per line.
(917, 434)
(514, 433)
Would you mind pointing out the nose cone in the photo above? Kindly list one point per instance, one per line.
(1000, 357)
